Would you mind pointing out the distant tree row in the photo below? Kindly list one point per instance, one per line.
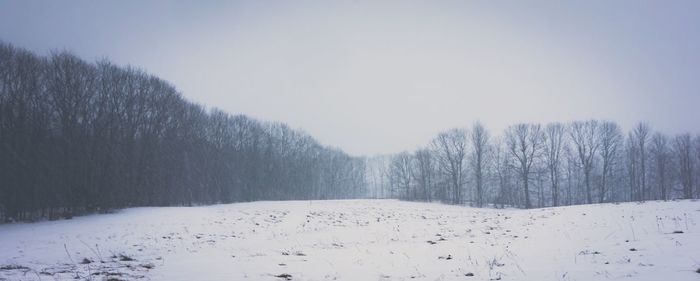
(80, 137)
(531, 165)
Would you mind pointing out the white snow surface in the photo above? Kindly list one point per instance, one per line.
(360, 240)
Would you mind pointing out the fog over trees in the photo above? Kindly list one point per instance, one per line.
(79, 137)
(535, 165)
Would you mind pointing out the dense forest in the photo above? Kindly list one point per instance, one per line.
(531, 165)
(78, 137)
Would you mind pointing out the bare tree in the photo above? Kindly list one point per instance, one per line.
(502, 167)
(632, 167)
(553, 147)
(641, 137)
(424, 172)
(610, 142)
(480, 146)
(401, 170)
(451, 148)
(660, 155)
(572, 170)
(377, 176)
(584, 136)
(682, 148)
(524, 142)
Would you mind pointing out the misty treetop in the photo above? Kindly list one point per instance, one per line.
(79, 137)
(531, 165)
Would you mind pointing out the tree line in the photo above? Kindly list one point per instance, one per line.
(534, 165)
(79, 137)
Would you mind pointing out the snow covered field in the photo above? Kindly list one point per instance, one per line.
(361, 240)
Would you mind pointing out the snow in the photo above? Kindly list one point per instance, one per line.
(361, 240)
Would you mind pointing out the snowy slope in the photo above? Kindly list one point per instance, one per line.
(361, 240)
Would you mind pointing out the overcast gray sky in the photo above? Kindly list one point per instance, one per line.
(385, 76)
